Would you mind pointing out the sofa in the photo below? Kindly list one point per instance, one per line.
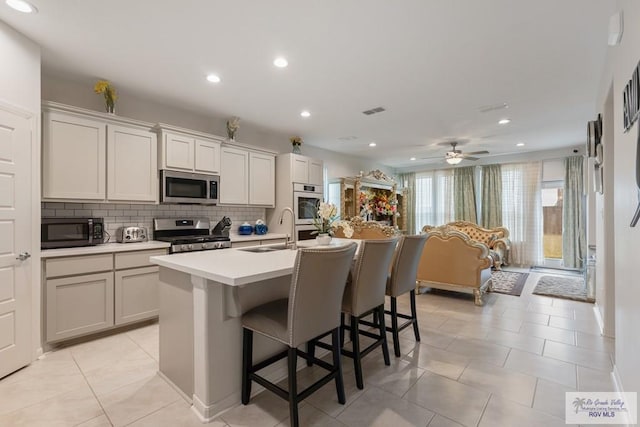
(496, 239)
(364, 230)
(452, 261)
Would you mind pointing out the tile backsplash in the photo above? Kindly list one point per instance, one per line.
(117, 215)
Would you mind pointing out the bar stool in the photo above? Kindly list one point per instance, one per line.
(403, 280)
(312, 309)
(363, 295)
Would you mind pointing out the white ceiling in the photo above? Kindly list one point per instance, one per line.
(431, 63)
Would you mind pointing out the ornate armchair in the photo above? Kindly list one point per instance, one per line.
(496, 239)
(452, 261)
(367, 229)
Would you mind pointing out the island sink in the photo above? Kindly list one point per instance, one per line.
(261, 249)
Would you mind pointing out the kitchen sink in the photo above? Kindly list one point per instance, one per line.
(261, 249)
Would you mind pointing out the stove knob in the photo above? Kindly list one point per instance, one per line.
(184, 247)
(190, 246)
(205, 245)
(219, 245)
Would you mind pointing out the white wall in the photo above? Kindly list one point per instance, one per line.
(620, 64)
(20, 87)
(79, 92)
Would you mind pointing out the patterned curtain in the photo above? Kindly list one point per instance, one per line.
(408, 181)
(573, 211)
(522, 211)
(491, 212)
(464, 194)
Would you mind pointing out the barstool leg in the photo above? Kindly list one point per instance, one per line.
(357, 362)
(247, 361)
(394, 326)
(293, 389)
(337, 364)
(341, 330)
(311, 352)
(383, 334)
(414, 315)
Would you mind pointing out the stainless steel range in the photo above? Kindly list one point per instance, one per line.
(188, 234)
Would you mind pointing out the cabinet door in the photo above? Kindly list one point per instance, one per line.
(73, 157)
(234, 176)
(179, 152)
(132, 164)
(136, 294)
(207, 156)
(300, 166)
(78, 305)
(316, 172)
(262, 179)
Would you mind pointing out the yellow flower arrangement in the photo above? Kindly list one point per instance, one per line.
(232, 127)
(109, 92)
(296, 140)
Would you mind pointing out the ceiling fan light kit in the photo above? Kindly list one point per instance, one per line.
(454, 160)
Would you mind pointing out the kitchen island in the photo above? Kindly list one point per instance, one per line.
(202, 296)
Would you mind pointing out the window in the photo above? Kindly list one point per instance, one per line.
(434, 198)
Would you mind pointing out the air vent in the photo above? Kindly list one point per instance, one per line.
(373, 111)
(494, 107)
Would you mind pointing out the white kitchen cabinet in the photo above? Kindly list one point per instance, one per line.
(262, 179)
(73, 157)
(78, 305)
(188, 151)
(306, 170)
(247, 177)
(234, 176)
(136, 294)
(132, 167)
(92, 156)
(90, 293)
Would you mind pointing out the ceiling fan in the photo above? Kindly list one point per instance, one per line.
(455, 156)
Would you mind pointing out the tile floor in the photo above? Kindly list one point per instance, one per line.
(507, 363)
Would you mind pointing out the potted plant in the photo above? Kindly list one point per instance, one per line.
(323, 221)
(232, 127)
(296, 142)
(105, 88)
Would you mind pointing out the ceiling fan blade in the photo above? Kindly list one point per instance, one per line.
(478, 152)
(470, 158)
(430, 158)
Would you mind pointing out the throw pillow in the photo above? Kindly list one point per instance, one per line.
(492, 240)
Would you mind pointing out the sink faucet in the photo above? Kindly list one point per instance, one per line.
(290, 242)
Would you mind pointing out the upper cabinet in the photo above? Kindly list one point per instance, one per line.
(188, 151)
(306, 170)
(91, 156)
(247, 176)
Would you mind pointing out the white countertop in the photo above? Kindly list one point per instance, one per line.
(103, 249)
(236, 267)
(255, 237)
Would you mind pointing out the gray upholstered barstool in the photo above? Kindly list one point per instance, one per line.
(364, 295)
(312, 309)
(402, 280)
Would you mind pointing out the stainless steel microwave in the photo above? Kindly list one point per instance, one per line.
(71, 232)
(189, 188)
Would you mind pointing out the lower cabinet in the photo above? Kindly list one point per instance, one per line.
(78, 305)
(136, 294)
(91, 293)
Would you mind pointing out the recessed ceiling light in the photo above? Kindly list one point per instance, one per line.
(520, 144)
(22, 6)
(504, 121)
(280, 62)
(305, 113)
(412, 159)
(213, 78)
(372, 144)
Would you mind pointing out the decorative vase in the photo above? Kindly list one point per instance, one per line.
(323, 239)
(296, 149)
(111, 109)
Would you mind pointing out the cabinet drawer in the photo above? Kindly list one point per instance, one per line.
(137, 258)
(55, 267)
(78, 305)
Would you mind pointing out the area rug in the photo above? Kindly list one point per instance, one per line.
(562, 287)
(508, 282)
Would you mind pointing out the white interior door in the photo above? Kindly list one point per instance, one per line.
(15, 240)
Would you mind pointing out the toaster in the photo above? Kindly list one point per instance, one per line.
(131, 234)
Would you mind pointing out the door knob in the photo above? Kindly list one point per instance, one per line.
(24, 256)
